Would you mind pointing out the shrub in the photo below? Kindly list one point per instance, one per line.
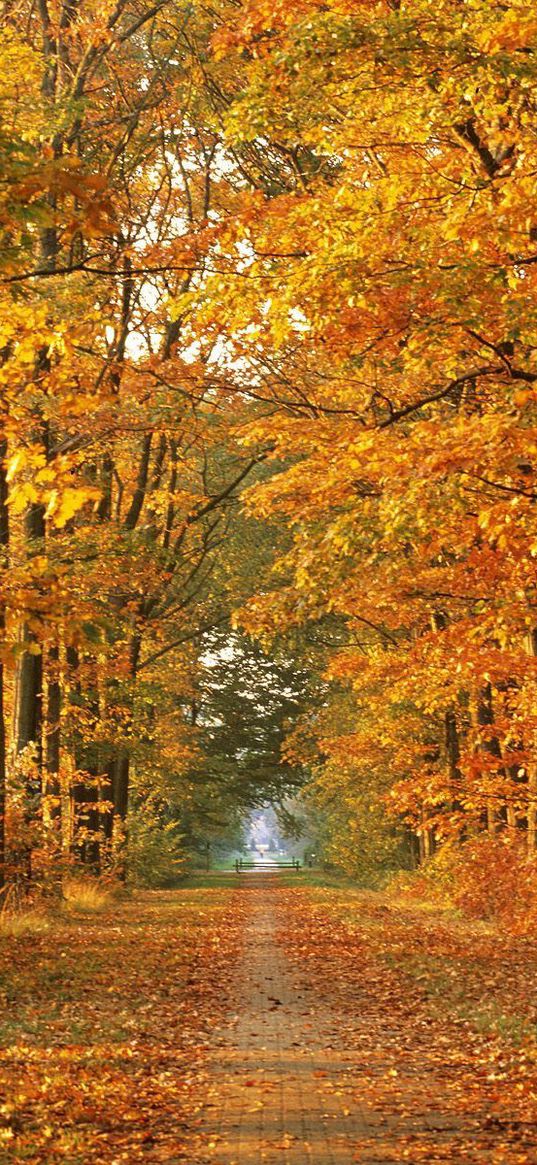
(156, 854)
(496, 880)
(487, 877)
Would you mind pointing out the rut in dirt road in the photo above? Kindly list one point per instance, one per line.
(332, 1058)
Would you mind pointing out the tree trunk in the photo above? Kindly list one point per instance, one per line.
(86, 819)
(29, 713)
(4, 546)
(425, 842)
(532, 809)
(30, 699)
(29, 719)
(439, 622)
(453, 748)
(29, 685)
(119, 772)
(52, 735)
(52, 793)
(485, 719)
(532, 770)
(86, 792)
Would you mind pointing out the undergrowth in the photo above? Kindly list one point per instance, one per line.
(86, 896)
(491, 878)
(17, 923)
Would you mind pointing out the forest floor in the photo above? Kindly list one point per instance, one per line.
(265, 1020)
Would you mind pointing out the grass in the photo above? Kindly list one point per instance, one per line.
(513, 1028)
(228, 879)
(314, 876)
(19, 918)
(495, 1017)
(201, 879)
(18, 923)
(82, 896)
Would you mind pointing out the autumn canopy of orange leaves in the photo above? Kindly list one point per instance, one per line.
(284, 253)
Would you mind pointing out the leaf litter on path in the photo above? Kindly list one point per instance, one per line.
(137, 1037)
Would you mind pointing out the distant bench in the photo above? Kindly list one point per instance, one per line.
(241, 864)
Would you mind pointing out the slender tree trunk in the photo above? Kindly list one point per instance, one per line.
(53, 734)
(86, 792)
(52, 787)
(453, 753)
(425, 842)
(29, 719)
(92, 846)
(4, 546)
(439, 622)
(453, 750)
(485, 719)
(86, 819)
(532, 809)
(120, 772)
(532, 769)
(29, 723)
(28, 734)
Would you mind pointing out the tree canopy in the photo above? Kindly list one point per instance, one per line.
(268, 368)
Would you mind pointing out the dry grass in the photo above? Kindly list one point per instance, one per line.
(19, 915)
(17, 923)
(85, 896)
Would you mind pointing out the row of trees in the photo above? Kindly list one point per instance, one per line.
(389, 316)
(282, 254)
(123, 553)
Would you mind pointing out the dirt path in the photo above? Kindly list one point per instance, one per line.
(266, 1021)
(334, 1058)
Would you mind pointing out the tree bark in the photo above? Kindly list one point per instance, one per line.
(532, 770)
(29, 721)
(485, 719)
(30, 683)
(86, 792)
(119, 773)
(4, 547)
(52, 734)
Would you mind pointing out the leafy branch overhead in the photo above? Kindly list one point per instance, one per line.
(268, 367)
